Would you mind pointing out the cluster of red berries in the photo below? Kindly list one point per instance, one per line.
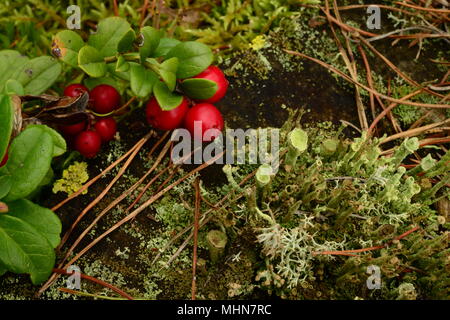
(183, 116)
(103, 99)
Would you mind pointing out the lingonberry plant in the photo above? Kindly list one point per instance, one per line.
(28, 232)
(149, 61)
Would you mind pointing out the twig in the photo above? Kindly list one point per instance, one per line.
(350, 64)
(143, 12)
(194, 255)
(415, 131)
(97, 281)
(206, 219)
(133, 214)
(105, 191)
(422, 8)
(100, 175)
(346, 77)
(346, 252)
(389, 108)
(116, 9)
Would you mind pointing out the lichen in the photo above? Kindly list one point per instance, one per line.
(72, 179)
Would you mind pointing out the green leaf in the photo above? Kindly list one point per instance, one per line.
(38, 74)
(30, 155)
(164, 47)
(126, 43)
(2, 269)
(91, 61)
(12, 64)
(42, 219)
(12, 86)
(150, 41)
(194, 57)
(167, 71)
(124, 75)
(122, 65)
(59, 144)
(91, 83)
(166, 98)
(110, 33)
(142, 80)
(6, 123)
(23, 249)
(199, 88)
(5, 185)
(66, 45)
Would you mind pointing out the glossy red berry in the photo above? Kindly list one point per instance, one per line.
(106, 128)
(88, 143)
(104, 99)
(165, 120)
(216, 75)
(207, 117)
(72, 129)
(74, 90)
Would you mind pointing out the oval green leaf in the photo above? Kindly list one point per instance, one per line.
(42, 219)
(194, 57)
(167, 71)
(164, 47)
(199, 88)
(38, 74)
(91, 61)
(110, 32)
(23, 249)
(59, 144)
(13, 86)
(66, 45)
(30, 155)
(6, 123)
(142, 80)
(5, 185)
(12, 65)
(167, 99)
(150, 41)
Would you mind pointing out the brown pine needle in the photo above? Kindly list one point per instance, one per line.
(97, 281)
(106, 190)
(100, 175)
(346, 252)
(346, 77)
(131, 216)
(194, 255)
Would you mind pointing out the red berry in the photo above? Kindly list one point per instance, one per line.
(72, 129)
(165, 120)
(106, 128)
(216, 75)
(209, 117)
(104, 99)
(74, 90)
(5, 159)
(88, 143)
